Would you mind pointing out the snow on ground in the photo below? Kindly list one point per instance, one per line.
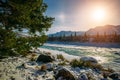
(10, 68)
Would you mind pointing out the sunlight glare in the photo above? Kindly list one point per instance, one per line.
(99, 14)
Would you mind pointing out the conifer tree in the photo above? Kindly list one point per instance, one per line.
(75, 34)
(19, 15)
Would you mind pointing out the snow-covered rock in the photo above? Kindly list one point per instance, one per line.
(64, 73)
(90, 59)
(50, 66)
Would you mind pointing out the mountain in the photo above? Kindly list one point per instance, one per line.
(67, 33)
(108, 29)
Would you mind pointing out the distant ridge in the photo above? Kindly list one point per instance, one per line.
(108, 29)
(67, 33)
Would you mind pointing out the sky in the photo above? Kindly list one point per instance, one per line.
(81, 15)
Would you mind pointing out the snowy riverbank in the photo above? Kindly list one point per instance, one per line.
(26, 68)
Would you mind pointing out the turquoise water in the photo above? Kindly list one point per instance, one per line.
(70, 51)
(84, 50)
(106, 55)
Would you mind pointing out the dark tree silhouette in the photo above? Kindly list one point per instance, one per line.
(19, 15)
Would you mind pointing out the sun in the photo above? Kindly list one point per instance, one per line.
(99, 15)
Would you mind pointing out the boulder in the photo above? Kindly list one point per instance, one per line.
(115, 76)
(50, 66)
(45, 58)
(104, 79)
(89, 74)
(12, 78)
(90, 59)
(83, 76)
(24, 65)
(64, 74)
(77, 69)
(117, 54)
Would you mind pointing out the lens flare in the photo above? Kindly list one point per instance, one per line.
(99, 15)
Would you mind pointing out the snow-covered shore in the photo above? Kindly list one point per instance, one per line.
(22, 68)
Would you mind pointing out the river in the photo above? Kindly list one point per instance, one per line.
(108, 57)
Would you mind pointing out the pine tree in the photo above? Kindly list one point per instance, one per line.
(115, 37)
(19, 15)
(105, 37)
(64, 35)
(85, 37)
(97, 37)
(71, 37)
(75, 34)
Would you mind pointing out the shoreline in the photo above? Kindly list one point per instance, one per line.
(90, 44)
